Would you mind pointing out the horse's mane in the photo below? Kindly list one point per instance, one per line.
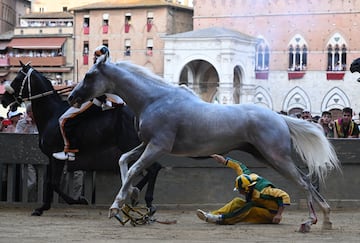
(44, 80)
(148, 74)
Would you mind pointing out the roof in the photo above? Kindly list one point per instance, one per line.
(37, 43)
(48, 15)
(128, 4)
(212, 32)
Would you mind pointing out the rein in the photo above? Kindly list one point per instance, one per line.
(37, 96)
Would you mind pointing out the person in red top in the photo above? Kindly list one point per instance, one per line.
(263, 203)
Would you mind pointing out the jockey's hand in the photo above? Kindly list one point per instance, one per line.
(277, 218)
(219, 159)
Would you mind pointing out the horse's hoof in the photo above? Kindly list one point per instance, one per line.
(36, 213)
(305, 227)
(327, 225)
(83, 201)
(135, 196)
(152, 210)
(113, 212)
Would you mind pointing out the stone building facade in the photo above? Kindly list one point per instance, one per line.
(11, 11)
(132, 31)
(298, 59)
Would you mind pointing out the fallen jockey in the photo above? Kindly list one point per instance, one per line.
(264, 203)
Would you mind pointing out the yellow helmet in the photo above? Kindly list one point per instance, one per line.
(245, 181)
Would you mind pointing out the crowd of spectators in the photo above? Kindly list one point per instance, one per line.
(345, 126)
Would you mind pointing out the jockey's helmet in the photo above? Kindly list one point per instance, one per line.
(245, 181)
(101, 50)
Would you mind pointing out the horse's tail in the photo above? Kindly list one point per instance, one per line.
(313, 147)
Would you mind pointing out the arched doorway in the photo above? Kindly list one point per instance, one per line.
(202, 77)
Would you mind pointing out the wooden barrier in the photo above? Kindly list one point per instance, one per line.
(182, 181)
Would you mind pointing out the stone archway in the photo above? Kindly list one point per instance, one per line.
(202, 77)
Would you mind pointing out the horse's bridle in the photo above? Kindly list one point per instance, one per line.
(19, 99)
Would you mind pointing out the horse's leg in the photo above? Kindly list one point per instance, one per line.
(124, 161)
(284, 164)
(153, 171)
(52, 183)
(289, 169)
(48, 193)
(321, 201)
(149, 179)
(150, 154)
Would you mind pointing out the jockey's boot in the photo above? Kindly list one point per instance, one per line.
(70, 156)
(208, 217)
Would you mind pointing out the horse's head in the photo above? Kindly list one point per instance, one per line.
(92, 85)
(17, 90)
(355, 67)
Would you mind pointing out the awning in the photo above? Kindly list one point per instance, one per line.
(37, 43)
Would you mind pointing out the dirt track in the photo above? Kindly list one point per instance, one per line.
(84, 224)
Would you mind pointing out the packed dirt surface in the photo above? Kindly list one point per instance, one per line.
(86, 224)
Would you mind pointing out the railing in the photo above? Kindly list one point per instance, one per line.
(39, 61)
(4, 62)
(18, 151)
(182, 181)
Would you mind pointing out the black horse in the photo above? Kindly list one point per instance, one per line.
(102, 137)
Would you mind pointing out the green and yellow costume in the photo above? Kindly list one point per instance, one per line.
(261, 204)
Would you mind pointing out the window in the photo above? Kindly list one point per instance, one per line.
(149, 47)
(86, 53)
(336, 58)
(297, 54)
(336, 48)
(127, 47)
(86, 25)
(105, 26)
(127, 22)
(262, 56)
(149, 21)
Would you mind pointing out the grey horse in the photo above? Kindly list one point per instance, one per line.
(173, 120)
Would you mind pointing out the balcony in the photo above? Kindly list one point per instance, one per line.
(296, 75)
(127, 28)
(4, 62)
(86, 30)
(85, 59)
(261, 74)
(39, 61)
(335, 75)
(148, 26)
(105, 29)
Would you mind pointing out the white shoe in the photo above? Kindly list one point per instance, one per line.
(208, 217)
(106, 106)
(64, 156)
